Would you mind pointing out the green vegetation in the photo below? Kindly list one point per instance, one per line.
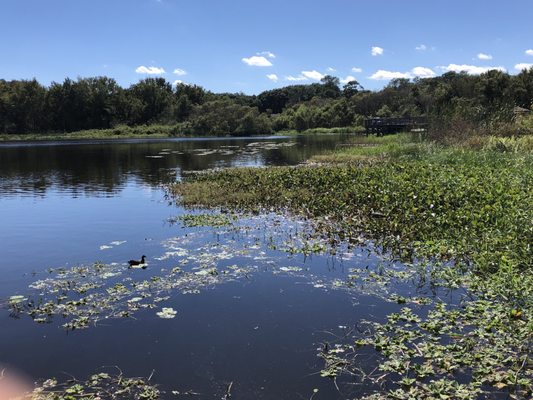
(425, 199)
(465, 209)
(196, 220)
(118, 132)
(454, 102)
(345, 129)
(98, 386)
(85, 295)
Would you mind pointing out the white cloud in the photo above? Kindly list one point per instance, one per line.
(257, 61)
(268, 54)
(483, 56)
(180, 72)
(383, 75)
(421, 47)
(522, 66)
(416, 72)
(423, 72)
(357, 69)
(529, 52)
(470, 69)
(315, 75)
(296, 78)
(377, 51)
(349, 78)
(150, 70)
(331, 69)
(177, 82)
(273, 77)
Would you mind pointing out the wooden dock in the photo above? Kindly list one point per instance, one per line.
(385, 126)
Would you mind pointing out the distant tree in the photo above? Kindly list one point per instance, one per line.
(156, 99)
(183, 108)
(302, 118)
(22, 106)
(331, 88)
(351, 88)
(384, 112)
(275, 100)
(225, 117)
(522, 88)
(195, 94)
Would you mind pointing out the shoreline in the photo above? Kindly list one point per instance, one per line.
(153, 132)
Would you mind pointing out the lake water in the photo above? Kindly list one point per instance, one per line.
(258, 322)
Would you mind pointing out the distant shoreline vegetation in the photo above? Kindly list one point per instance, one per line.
(155, 131)
(455, 103)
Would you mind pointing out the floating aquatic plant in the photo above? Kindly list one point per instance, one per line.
(167, 313)
(205, 219)
(100, 386)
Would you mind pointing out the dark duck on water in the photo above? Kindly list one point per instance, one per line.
(134, 263)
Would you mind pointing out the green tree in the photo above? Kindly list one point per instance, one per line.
(351, 88)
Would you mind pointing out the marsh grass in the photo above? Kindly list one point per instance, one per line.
(119, 132)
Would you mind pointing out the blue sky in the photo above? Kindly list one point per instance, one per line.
(251, 46)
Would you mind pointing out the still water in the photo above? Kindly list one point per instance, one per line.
(260, 326)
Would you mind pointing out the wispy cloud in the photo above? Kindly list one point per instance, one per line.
(257, 61)
(377, 51)
(470, 69)
(383, 75)
(295, 78)
(416, 72)
(315, 75)
(272, 77)
(150, 70)
(522, 66)
(483, 56)
(268, 54)
(331, 69)
(421, 47)
(423, 72)
(180, 72)
(349, 78)
(529, 52)
(357, 69)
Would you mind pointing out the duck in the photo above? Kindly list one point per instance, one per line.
(134, 263)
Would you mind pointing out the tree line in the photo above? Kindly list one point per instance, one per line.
(26, 106)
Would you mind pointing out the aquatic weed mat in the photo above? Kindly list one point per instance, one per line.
(477, 349)
(249, 149)
(99, 386)
(204, 257)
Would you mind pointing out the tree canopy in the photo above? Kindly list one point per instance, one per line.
(26, 106)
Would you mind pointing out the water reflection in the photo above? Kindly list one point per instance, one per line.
(104, 168)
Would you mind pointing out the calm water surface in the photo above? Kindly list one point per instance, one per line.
(65, 204)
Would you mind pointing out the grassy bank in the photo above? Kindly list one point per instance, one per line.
(345, 129)
(119, 132)
(143, 131)
(468, 205)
